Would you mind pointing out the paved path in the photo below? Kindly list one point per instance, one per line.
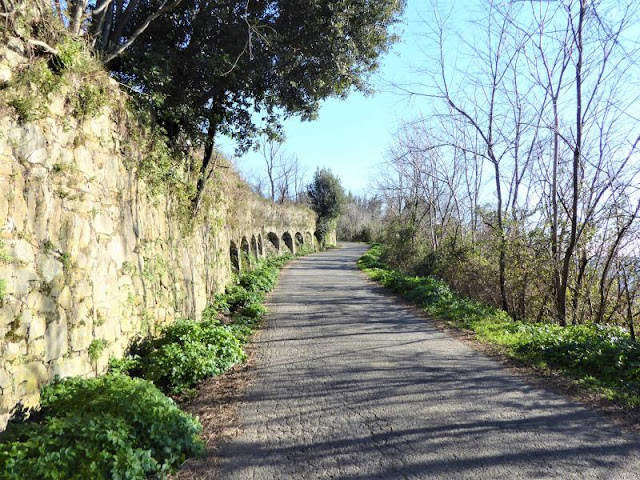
(351, 385)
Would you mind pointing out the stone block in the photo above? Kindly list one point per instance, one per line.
(81, 312)
(78, 366)
(116, 252)
(64, 298)
(109, 330)
(39, 302)
(81, 337)
(4, 203)
(25, 280)
(6, 314)
(126, 322)
(22, 251)
(56, 107)
(32, 145)
(84, 160)
(5, 75)
(5, 379)
(37, 327)
(82, 291)
(15, 54)
(50, 268)
(37, 348)
(103, 224)
(20, 324)
(84, 205)
(14, 350)
(29, 377)
(79, 236)
(56, 340)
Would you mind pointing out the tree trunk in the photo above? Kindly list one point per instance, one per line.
(209, 161)
(561, 295)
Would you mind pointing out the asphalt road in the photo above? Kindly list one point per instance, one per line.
(352, 385)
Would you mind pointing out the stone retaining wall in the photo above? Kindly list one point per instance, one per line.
(88, 261)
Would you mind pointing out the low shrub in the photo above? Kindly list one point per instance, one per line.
(238, 297)
(185, 353)
(107, 427)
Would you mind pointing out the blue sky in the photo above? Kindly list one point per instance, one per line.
(351, 136)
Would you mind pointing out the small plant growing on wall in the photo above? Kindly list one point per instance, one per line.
(3, 291)
(96, 348)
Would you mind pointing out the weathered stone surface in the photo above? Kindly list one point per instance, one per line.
(29, 377)
(72, 197)
(37, 327)
(32, 144)
(81, 336)
(20, 324)
(64, 298)
(15, 54)
(82, 291)
(22, 251)
(103, 224)
(5, 75)
(56, 340)
(78, 366)
(84, 161)
(41, 302)
(50, 267)
(80, 234)
(37, 348)
(14, 350)
(116, 252)
(5, 378)
(25, 279)
(109, 330)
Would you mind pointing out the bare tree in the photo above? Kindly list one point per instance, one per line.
(545, 104)
(283, 175)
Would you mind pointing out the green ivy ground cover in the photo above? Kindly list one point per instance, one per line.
(108, 427)
(603, 358)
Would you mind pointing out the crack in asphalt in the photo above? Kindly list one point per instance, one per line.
(351, 385)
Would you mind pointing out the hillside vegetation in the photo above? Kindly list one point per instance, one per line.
(602, 358)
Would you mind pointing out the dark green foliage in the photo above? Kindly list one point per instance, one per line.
(239, 297)
(263, 278)
(185, 353)
(327, 200)
(238, 68)
(108, 427)
(243, 327)
(602, 357)
(200, 76)
(253, 310)
(247, 295)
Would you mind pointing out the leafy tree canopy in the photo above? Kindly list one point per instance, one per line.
(238, 67)
(327, 199)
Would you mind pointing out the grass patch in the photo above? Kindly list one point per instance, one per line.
(602, 358)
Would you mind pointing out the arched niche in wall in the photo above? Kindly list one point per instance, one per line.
(234, 258)
(288, 241)
(273, 244)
